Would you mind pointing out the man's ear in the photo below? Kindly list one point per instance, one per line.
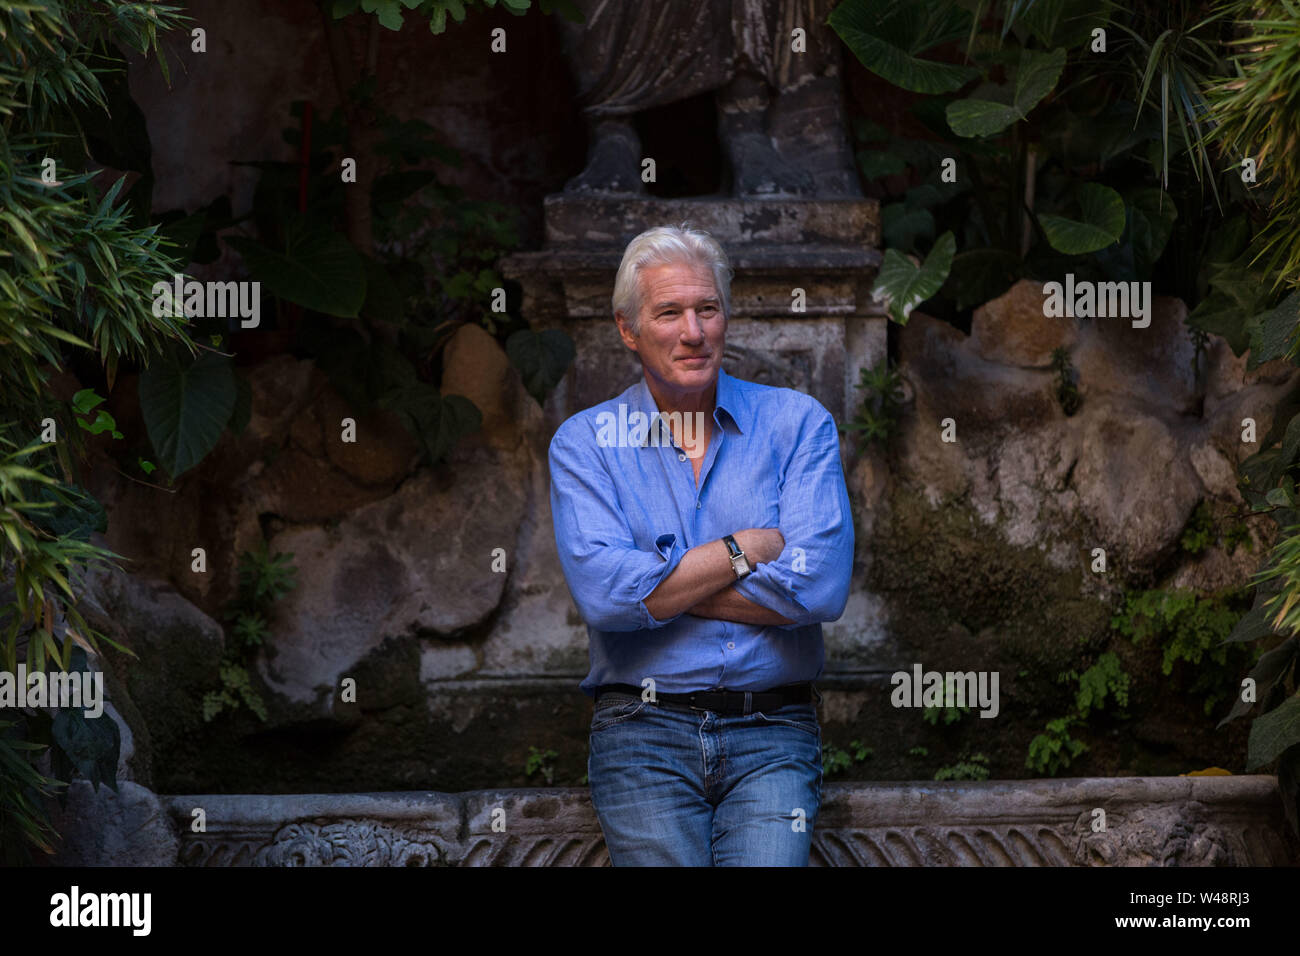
(625, 331)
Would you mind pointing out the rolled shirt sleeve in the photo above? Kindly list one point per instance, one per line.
(608, 576)
(809, 582)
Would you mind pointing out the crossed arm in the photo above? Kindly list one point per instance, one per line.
(620, 586)
(702, 583)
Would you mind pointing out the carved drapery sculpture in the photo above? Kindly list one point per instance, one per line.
(779, 104)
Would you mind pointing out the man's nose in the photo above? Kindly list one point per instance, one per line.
(694, 330)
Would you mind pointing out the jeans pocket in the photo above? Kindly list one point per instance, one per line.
(801, 716)
(615, 708)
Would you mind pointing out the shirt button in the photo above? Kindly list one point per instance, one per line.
(681, 457)
(698, 505)
(731, 645)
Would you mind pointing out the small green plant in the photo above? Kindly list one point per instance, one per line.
(1067, 392)
(876, 420)
(263, 580)
(1237, 533)
(1105, 678)
(1199, 533)
(836, 761)
(972, 767)
(235, 689)
(1053, 751)
(919, 752)
(1202, 532)
(541, 762)
(83, 402)
(1191, 629)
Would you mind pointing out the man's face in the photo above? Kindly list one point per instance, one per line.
(683, 330)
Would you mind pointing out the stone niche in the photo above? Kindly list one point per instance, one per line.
(824, 247)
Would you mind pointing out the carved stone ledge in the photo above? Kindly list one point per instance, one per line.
(1149, 821)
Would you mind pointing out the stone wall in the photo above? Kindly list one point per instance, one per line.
(972, 555)
(1199, 821)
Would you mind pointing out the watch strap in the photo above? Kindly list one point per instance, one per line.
(739, 563)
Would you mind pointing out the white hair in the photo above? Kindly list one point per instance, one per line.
(663, 245)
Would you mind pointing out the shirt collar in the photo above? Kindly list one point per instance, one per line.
(729, 406)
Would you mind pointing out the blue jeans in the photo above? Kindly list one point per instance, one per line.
(680, 787)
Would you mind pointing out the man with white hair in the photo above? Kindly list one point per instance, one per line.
(704, 529)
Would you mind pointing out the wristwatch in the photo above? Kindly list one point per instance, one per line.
(739, 563)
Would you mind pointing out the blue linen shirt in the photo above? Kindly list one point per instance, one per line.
(625, 514)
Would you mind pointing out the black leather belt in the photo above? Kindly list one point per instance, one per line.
(724, 701)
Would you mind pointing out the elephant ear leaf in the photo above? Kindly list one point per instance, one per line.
(1273, 733)
(1101, 222)
(1273, 334)
(888, 36)
(318, 269)
(1036, 76)
(902, 285)
(186, 407)
(1152, 214)
(541, 358)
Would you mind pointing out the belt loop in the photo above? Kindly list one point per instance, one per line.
(749, 701)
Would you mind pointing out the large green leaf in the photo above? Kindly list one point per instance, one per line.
(1036, 76)
(389, 12)
(438, 421)
(1273, 733)
(887, 37)
(319, 269)
(93, 745)
(1218, 314)
(186, 407)
(980, 275)
(1151, 214)
(1237, 292)
(541, 358)
(1273, 333)
(1102, 222)
(902, 225)
(901, 285)
(1271, 668)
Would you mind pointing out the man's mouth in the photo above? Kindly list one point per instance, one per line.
(694, 358)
